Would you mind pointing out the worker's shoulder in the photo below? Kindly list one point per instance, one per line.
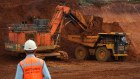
(21, 62)
(41, 60)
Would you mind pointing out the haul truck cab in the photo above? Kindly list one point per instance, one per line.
(104, 46)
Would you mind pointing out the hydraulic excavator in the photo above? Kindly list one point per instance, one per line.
(47, 34)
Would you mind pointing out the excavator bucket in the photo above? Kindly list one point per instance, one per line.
(80, 16)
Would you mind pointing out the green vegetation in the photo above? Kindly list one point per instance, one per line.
(97, 3)
(101, 2)
(134, 1)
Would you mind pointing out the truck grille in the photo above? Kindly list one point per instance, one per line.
(121, 48)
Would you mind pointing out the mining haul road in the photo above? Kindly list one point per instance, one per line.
(73, 69)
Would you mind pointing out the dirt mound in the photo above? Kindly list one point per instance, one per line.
(112, 27)
(133, 28)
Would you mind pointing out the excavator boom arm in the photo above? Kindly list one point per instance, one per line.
(57, 18)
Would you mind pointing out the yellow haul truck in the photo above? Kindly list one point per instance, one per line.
(104, 46)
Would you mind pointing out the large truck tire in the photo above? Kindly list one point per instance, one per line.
(102, 54)
(81, 53)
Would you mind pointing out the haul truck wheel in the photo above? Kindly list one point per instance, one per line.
(102, 54)
(81, 53)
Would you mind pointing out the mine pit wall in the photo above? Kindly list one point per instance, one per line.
(2, 39)
(126, 15)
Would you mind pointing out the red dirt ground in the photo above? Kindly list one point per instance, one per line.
(78, 69)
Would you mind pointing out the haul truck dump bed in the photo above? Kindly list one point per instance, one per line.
(86, 40)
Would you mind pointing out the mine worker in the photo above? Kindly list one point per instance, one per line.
(32, 67)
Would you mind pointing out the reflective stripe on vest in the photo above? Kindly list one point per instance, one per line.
(32, 68)
(31, 64)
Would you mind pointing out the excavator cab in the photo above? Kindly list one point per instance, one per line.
(19, 33)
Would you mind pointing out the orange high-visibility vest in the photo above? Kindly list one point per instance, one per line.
(32, 68)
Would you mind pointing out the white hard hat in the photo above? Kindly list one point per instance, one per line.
(30, 45)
